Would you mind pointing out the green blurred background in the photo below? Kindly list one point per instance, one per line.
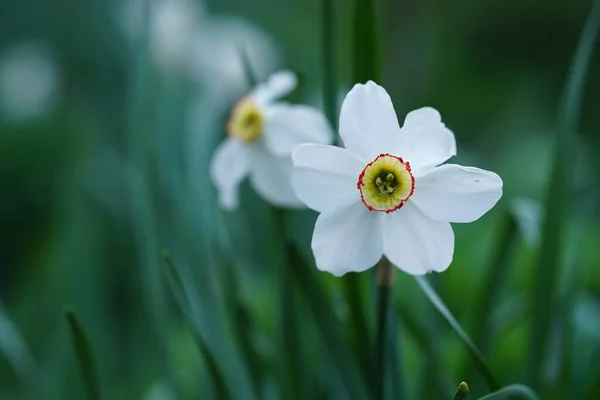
(107, 126)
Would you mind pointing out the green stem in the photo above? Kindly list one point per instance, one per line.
(493, 282)
(329, 327)
(558, 198)
(329, 78)
(433, 297)
(83, 350)
(290, 346)
(512, 392)
(385, 280)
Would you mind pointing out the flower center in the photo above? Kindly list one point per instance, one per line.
(386, 183)
(246, 121)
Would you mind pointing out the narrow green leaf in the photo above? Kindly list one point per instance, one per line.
(290, 356)
(242, 324)
(485, 371)
(178, 287)
(83, 350)
(558, 199)
(355, 298)
(462, 393)
(15, 349)
(366, 67)
(366, 42)
(424, 340)
(328, 326)
(394, 374)
(512, 392)
(493, 282)
(330, 82)
(251, 78)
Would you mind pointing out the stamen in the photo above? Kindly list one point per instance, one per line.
(246, 121)
(386, 183)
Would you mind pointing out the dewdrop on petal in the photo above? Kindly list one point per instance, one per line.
(386, 193)
(261, 133)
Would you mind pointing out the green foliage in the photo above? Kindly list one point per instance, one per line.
(83, 351)
(118, 167)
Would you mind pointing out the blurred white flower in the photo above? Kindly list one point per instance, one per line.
(185, 38)
(262, 133)
(386, 192)
(172, 26)
(29, 81)
(217, 55)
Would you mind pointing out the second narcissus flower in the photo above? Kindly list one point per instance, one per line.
(262, 133)
(385, 193)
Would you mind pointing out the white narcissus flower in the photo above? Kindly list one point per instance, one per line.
(262, 133)
(385, 193)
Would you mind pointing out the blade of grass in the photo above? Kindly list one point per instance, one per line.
(558, 199)
(394, 375)
(328, 326)
(385, 284)
(512, 392)
(83, 351)
(251, 78)
(366, 42)
(242, 324)
(493, 282)
(365, 67)
(433, 297)
(15, 349)
(180, 292)
(424, 340)
(290, 356)
(330, 83)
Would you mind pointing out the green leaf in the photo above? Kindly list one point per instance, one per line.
(330, 82)
(558, 197)
(366, 67)
(493, 281)
(328, 326)
(243, 326)
(83, 350)
(355, 297)
(251, 78)
(180, 292)
(424, 340)
(290, 356)
(512, 392)
(462, 393)
(15, 349)
(366, 43)
(483, 368)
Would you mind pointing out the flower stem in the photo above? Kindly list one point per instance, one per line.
(329, 77)
(385, 280)
(291, 368)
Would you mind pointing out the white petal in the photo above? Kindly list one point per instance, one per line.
(415, 243)
(229, 166)
(325, 176)
(287, 126)
(278, 85)
(347, 239)
(368, 123)
(454, 193)
(424, 140)
(271, 177)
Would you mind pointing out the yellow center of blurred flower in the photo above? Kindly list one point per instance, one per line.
(246, 121)
(386, 183)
